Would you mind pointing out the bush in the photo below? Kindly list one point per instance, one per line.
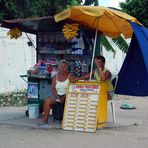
(15, 98)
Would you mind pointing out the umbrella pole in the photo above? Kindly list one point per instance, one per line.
(92, 61)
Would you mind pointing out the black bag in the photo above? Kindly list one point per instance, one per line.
(57, 111)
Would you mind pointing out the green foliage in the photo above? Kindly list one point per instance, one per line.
(91, 2)
(104, 41)
(8, 8)
(121, 43)
(136, 8)
(12, 9)
(16, 98)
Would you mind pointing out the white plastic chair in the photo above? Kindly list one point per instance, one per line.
(112, 100)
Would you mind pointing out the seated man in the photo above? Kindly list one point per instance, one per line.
(101, 73)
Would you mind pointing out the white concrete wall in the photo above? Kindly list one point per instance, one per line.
(16, 57)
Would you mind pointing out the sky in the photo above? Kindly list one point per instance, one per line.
(110, 3)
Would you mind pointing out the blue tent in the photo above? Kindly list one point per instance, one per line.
(133, 76)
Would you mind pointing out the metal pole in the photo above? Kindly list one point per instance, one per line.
(92, 61)
(30, 41)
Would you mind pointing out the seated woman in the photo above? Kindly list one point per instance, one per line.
(59, 88)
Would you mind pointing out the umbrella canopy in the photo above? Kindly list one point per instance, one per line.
(110, 22)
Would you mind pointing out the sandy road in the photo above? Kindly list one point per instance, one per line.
(130, 131)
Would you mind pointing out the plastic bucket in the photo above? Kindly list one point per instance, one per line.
(33, 111)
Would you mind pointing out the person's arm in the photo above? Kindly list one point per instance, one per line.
(53, 84)
(85, 77)
(104, 76)
(73, 79)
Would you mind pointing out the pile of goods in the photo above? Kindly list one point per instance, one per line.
(70, 31)
(14, 33)
(41, 70)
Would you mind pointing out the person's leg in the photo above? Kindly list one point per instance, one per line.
(47, 106)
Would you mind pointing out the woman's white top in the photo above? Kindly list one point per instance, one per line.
(61, 87)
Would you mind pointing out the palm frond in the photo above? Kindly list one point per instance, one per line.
(115, 8)
(104, 41)
(121, 43)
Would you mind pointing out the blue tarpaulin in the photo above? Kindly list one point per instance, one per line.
(133, 76)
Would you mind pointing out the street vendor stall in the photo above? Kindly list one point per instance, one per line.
(66, 39)
(111, 23)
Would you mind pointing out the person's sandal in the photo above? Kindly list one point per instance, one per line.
(42, 123)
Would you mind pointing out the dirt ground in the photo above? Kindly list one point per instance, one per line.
(130, 131)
